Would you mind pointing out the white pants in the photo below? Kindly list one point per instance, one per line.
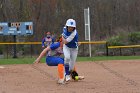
(70, 55)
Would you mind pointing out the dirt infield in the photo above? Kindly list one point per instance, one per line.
(100, 77)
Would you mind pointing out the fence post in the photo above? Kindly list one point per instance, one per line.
(14, 46)
(133, 51)
(120, 52)
(106, 49)
(7, 51)
(31, 50)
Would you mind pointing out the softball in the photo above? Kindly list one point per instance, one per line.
(76, 77)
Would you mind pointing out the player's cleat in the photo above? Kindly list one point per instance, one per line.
(67, 78)
(61, 81)
(81, 77)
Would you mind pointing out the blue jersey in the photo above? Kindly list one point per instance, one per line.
(74, 42)
(55, 45)
(46, 41)
(54, 60)
(56, 50)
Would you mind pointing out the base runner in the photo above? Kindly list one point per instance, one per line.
(55, 59)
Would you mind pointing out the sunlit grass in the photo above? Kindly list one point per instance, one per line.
(81, 59)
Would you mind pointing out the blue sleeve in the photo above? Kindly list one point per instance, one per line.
(53, 39)
(64, 33)
(43, 40)
(54, 46)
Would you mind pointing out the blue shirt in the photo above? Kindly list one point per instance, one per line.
(47, 41)
(55, 45)
(73, 43)
(56, 50)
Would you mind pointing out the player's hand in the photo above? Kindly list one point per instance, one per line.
(64, 40)
(36, 61)
(79, 43)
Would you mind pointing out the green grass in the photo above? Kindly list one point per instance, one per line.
(19, 61)
(81, 59)
(16, 61)
(101, 58)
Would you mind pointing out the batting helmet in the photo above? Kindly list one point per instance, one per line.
(71, 23)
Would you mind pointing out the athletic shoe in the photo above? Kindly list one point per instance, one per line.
(61, 81)
(67, 78)
(81, 77)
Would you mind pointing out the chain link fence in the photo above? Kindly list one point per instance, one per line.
(33, 50)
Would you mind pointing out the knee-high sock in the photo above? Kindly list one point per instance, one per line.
(67, 69)
(61, 71)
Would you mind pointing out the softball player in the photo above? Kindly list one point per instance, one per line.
(54, 60)
(70, 46)
(46, 41)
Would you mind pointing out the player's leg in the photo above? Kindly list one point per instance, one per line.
(73, 52)
(74, 73)
(66, 51)
(61, 73)
(57, 61)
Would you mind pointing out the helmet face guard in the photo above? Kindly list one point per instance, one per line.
(71, 23)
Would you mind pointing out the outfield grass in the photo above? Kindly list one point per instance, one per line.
(81, 59)
(17, 61)
(100, 58)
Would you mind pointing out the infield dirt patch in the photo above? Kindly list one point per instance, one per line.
(100, 77)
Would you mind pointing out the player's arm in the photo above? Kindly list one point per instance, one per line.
(70, 38)
(43, 53)
(64, 40)
(43, 45)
